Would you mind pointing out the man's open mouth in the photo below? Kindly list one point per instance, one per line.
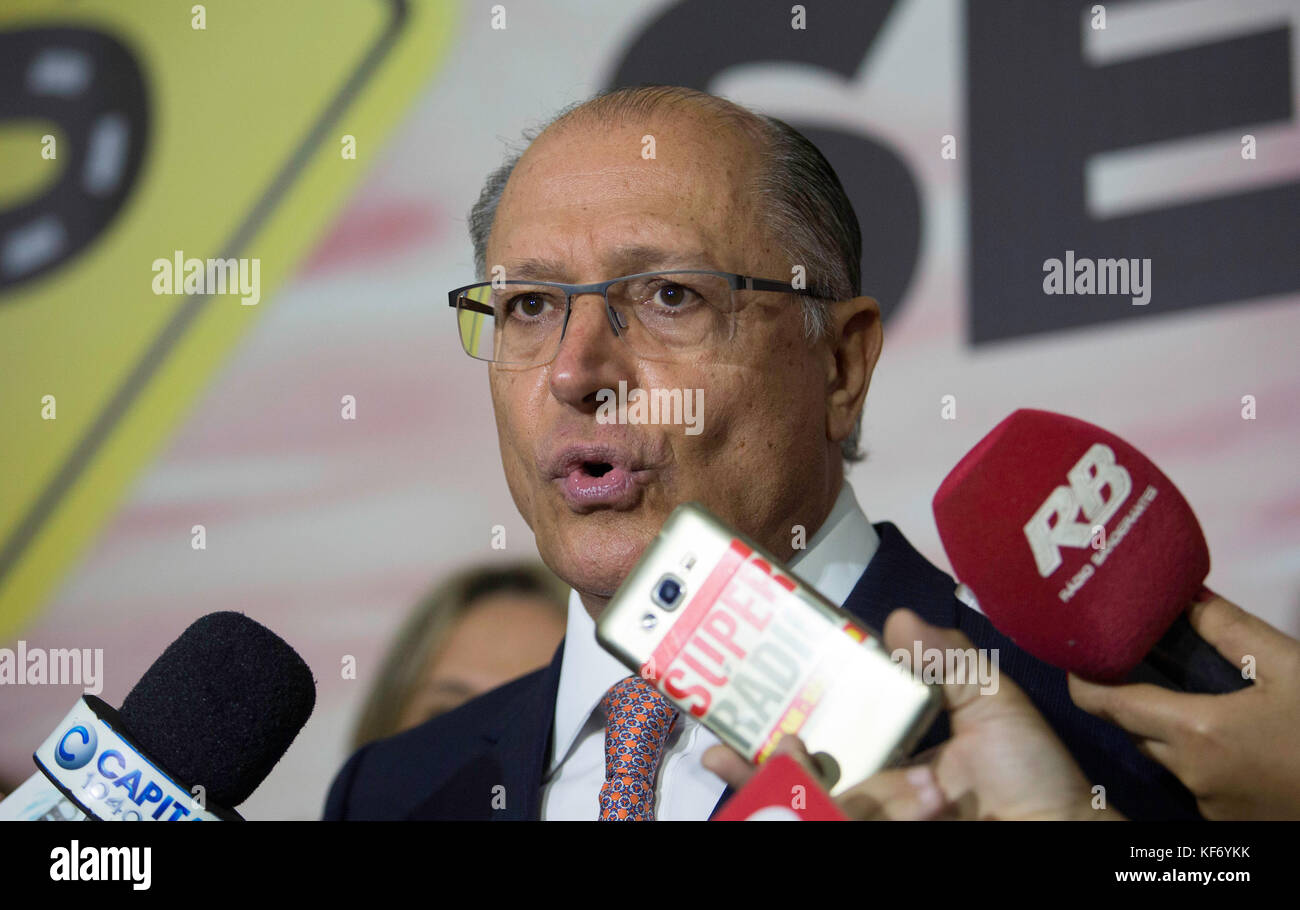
(597, 475)
(596, 468)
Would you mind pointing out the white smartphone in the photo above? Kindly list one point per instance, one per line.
(740, 643)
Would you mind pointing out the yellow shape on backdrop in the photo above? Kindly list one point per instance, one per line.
(221, 142)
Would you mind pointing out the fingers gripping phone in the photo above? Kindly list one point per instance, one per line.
(755, 654)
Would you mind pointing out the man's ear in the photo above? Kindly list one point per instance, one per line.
(856, 337)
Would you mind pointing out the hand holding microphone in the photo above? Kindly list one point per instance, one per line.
(1087, 556)
(1239, 753)
(1080, 550)
(1002, 760)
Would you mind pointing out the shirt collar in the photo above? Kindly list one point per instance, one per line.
(833, 561)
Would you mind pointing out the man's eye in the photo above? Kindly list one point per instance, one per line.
(527, 306)
(673, 296)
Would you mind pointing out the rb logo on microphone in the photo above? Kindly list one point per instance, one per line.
(1056, 524)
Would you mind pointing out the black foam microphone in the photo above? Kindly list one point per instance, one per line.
(195, 737)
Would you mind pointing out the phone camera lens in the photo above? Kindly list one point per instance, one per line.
(668, 593)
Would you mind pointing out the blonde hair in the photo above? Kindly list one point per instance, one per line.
(426, 628)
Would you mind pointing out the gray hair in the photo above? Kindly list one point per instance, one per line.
(806, 209)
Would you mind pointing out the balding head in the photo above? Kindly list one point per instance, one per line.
(793, 190)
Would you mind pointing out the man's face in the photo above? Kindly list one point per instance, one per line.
(584, 200)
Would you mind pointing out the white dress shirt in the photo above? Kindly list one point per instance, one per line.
(834, 560)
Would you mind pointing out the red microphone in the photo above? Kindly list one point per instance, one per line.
(1082, 552)
(780, 791)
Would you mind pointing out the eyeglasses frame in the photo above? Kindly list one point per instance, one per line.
(735, 281)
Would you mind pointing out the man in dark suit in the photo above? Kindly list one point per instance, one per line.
(663, 239)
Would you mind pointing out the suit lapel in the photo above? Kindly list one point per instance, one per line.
(522, 743)
(501, 778)
(899, 576)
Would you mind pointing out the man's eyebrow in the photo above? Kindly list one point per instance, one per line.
(641, 258)
(536, 270)
(624, 260)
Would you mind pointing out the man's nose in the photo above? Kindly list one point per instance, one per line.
(590, 357)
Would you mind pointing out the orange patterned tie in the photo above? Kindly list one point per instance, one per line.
(637, 722)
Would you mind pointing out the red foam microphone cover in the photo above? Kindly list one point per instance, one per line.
(780, 791)
(1076, 546)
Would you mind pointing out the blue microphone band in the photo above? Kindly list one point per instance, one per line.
(108, 777)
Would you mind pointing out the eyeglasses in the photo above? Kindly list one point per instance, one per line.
(661, 315)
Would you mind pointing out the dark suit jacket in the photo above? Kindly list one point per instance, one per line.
(485, 759)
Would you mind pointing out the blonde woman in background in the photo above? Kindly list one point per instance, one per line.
(479, 628)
